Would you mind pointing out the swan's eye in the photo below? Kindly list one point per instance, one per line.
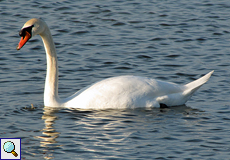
(22, 33)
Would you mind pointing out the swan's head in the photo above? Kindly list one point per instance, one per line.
(31, 28)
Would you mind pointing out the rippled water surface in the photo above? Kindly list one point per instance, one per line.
(176, 41)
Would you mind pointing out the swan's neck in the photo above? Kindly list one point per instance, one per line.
(51, 85)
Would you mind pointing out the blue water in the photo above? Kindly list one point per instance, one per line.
(176, 41)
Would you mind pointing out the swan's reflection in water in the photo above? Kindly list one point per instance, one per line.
(48, 140)
(107, 131)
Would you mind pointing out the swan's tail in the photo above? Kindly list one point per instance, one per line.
(181, 98)
(194, 85)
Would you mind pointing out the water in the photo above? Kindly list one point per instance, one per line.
(176, 41)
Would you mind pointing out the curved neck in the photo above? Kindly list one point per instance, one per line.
(51, 85)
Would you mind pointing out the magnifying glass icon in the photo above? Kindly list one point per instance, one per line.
(9, 147)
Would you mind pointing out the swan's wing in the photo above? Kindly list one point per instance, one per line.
(122, 92)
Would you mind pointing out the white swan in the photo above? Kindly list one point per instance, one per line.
(116, 92)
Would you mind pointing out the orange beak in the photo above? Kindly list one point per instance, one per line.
(23, 40)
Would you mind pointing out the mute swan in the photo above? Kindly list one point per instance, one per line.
(115, 92)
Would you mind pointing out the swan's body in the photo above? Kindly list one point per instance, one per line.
(116, 92)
